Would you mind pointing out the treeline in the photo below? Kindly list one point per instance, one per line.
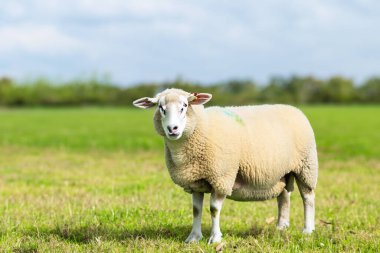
(292, 90)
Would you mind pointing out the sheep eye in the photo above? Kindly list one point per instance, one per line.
(162, 109)
(185, 105)
(181, 110)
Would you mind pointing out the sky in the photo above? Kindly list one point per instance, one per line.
(131, 41)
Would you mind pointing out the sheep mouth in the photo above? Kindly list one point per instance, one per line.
(174, 136)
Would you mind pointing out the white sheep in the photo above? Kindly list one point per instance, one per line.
(245, 153)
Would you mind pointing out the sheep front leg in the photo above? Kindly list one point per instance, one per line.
(196, 232)
(216, 202)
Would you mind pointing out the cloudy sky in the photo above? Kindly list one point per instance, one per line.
(200, 40)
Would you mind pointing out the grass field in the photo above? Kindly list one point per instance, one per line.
(94, 180)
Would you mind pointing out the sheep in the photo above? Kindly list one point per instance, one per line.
(245, 153)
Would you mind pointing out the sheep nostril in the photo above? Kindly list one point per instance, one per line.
(172, 129)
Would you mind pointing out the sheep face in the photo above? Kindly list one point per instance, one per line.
(173, 117)
(173, 109)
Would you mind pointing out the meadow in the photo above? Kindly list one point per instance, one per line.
(94, 180)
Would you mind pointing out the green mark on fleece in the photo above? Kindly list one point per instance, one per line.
(234, 116)
(228, 113)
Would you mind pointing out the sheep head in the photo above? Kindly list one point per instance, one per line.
(174, 109)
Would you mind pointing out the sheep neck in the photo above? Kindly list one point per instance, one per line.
(191, 147)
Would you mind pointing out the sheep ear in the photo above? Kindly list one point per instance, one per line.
(199, 98)
(145, 102)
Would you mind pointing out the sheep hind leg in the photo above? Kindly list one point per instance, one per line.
(283, 202)
(308, 198)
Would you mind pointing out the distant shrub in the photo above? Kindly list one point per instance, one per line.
(293, 90)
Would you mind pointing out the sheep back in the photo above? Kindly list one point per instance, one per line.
(261, 143)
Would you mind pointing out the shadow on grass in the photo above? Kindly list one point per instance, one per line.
(90, 233)
(86, 234)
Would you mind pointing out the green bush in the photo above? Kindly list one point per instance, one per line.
(293, 90)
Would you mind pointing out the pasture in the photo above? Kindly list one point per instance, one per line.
(94, 180)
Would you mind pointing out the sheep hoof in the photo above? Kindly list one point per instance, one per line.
(283, 225)
(215, 237)
(307, 231)
(193, 237)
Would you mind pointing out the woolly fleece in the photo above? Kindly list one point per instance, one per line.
(247, 152)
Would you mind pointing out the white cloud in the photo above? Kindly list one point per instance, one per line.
(205, 40)
(14, 9)
(37, 39)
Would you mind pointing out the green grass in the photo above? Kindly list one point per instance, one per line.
(79, 129)
(342, 132)
(94, 180)
(346, 131)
